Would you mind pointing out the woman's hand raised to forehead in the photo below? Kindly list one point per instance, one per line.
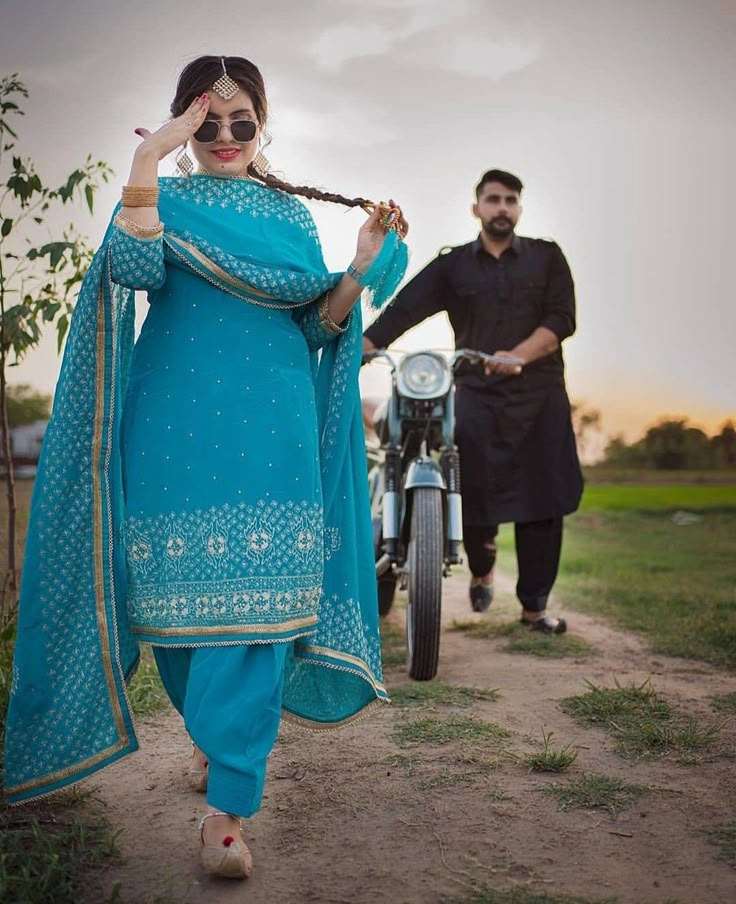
(373, 232)
(176, 132)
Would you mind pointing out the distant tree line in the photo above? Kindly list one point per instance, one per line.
(675, 444)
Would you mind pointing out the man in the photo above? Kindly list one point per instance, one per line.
(508, 296)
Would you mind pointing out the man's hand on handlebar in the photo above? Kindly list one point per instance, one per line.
(507, 370)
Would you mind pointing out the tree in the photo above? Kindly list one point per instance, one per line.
(672, 444)
(39, 275)
(724, 446)
(26, 406)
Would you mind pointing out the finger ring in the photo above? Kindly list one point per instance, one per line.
(187, 122)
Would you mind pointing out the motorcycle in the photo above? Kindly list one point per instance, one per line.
(414, 487)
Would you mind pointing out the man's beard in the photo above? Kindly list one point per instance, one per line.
(499, 227)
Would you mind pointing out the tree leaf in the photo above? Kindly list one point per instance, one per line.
(6, 227)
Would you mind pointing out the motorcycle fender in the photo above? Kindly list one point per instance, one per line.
(424, 472)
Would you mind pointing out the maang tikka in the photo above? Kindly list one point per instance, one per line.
(225, 86)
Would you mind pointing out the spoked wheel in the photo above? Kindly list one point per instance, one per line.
(424, 606)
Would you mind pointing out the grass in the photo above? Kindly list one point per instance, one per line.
(548, 759)
(484, 894)
(437, 693)
(596, 474)
(725, 703)
(626, 558)
(522, 640)
(467, 768)
(673, 583)
(146, 692)
(641, 723)
(66, 843)
(393, 645)
(447, 778)
(724, 837)
(455, 729)
(667, 497)
(593, 791)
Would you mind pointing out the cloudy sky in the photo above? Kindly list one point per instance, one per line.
(618, 116)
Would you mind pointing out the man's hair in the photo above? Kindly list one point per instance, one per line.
(498, 175)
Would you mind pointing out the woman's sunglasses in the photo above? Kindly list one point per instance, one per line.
(242, 130)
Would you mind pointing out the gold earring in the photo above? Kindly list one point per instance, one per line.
(184, 162)
(261, 165)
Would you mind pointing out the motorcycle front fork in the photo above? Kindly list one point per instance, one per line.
(450, 465)
(390, 519)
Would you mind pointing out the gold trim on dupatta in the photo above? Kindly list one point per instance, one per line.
(98, 466)
(345, 657)
(99, 565)
(281, 628)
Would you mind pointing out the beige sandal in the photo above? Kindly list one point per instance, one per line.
(230, 859)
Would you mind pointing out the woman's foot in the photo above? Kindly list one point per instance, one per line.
(197, 771)
(224, 851)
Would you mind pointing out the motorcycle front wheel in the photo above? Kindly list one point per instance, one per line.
(424, 587)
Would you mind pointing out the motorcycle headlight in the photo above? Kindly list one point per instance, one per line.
(424, 375)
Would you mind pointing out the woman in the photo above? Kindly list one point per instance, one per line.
(205, 491)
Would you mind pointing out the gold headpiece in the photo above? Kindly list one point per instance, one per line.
(225, 86)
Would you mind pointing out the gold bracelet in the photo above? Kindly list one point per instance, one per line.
(140, 196)
(325, 321)
(136, 230)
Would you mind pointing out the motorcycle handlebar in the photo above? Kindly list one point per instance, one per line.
(462, 354)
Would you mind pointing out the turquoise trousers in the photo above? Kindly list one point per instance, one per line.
(230, 699)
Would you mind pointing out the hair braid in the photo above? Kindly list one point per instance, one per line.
(306, 191)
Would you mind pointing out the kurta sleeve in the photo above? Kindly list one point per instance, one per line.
(315, 334)
(559, 299)
(424, 295)
(137, 259)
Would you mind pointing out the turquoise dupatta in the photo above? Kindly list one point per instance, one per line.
(69, 714)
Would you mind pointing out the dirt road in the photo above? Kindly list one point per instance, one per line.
(352, 817)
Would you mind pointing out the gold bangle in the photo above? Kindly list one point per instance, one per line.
(140, 196)
(136, 230)
(325, 321)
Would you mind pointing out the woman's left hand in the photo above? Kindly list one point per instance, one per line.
(372, 234)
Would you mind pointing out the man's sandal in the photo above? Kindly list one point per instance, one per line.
(546, 624)
(230, 859)
(481, 596)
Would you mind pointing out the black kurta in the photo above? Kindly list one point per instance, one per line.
(517, 448)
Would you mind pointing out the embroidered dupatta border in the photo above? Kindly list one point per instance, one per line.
(200, 264)
(103, 536)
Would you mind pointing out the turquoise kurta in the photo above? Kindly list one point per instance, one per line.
(224, 519)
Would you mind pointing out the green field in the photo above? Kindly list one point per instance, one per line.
(659, 559)
(671, 497)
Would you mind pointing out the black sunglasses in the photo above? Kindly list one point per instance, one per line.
(242, 130)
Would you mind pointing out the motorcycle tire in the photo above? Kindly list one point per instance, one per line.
(425, 564)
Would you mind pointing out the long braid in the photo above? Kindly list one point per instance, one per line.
(305, 191)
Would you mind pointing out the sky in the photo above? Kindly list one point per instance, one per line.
(618, 117)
